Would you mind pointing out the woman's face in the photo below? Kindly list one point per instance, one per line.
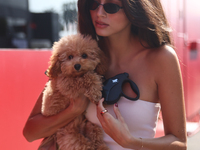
(107, 24)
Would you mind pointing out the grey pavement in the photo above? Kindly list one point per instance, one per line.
(194, 142)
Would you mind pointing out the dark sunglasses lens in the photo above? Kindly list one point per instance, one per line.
(94, 5)
(111, 8)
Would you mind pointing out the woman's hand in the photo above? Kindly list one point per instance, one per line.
(116, 128)
(78, 106)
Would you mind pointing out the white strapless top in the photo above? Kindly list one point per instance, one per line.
(140, 116)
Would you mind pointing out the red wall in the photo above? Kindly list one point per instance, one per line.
(192, 69)
(21, 81)
(183, 16)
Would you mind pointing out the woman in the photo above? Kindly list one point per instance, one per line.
(135, 36)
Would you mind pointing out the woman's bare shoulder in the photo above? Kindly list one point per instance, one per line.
(164, 55)
(162, 52)
(163, 61)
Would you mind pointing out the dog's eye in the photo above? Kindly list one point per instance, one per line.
(70, 57)
(84, 56)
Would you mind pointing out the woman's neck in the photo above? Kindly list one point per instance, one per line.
(122, 48)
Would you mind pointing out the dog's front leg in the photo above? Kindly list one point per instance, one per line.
(93, 92)
(52, 101)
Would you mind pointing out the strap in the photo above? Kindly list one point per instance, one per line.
(134, 88)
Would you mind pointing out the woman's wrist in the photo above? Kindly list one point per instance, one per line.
(141, 143)
(136, 143)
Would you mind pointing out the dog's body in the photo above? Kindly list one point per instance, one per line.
(58, 92)
(75, 70)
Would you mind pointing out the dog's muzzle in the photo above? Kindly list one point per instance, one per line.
(77, 67)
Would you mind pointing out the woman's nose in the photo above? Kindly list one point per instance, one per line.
(101, 11)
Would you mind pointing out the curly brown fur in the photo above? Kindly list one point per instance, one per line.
(75, 69)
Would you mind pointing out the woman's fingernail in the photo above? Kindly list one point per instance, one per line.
(116, 105)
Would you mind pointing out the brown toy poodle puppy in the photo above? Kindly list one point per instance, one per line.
(75, 69)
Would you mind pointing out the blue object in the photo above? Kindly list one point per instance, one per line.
(112, 89)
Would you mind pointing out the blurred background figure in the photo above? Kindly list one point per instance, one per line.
(35, 24)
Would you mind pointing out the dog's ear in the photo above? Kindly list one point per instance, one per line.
(102, 66)
(55, 67)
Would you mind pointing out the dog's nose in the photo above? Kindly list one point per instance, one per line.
(77, 67)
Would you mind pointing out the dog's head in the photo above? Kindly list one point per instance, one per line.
(74, 55)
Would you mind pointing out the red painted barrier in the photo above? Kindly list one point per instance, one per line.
(21, 81)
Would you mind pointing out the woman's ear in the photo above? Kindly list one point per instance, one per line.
(54, 68)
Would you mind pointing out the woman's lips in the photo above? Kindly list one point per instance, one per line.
(100, 24)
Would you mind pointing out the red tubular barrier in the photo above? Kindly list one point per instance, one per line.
(21, 81)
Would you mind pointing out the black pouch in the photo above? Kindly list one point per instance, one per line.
(112, 88)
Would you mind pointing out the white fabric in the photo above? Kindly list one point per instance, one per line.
(141, 118)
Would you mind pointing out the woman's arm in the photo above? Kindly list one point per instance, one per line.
(170, 92)
(39, 126)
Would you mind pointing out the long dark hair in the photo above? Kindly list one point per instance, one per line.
(148, 20)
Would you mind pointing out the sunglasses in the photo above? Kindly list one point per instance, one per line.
(110, 8)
